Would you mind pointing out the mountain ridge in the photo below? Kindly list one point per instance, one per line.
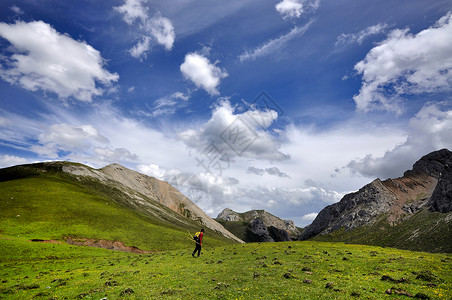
(159, 190)
(426, 187)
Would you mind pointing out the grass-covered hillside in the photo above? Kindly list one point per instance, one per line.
(286, 270)
(43, 203)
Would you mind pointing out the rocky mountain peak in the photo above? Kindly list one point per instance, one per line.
(432, 164)
(228, 214)
(428, 184)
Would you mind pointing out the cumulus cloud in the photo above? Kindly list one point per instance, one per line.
(11, 160)
(44, 59)
(155, 28)
(406, 64)
(117, 154)
(290, 9)
(309, 217)
(429, 130)
(271, 171)
(199, 70)
(153, 170)
(228, 135)
(350, 38)
(274, 45)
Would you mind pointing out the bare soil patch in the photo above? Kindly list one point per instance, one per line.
(45, 241)
(106, 244)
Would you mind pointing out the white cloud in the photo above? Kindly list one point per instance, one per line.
(162, 30)
(11, 160)
(274, 45)
(156, 28)
(53, 62)
(429, 130)
(141, 47)
(228, 135)
(406, 64)
(202, 73)
(17, 10)
(152, 170)
(167, 106)
(290, 9)
(117, 154)
(133, 10)
(65, 137)
(309, 217)
(349, 38)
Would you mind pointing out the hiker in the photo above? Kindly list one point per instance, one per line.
(198, 239)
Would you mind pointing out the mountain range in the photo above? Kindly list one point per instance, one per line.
(71, 202)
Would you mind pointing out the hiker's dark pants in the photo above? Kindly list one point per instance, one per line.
(198, 248)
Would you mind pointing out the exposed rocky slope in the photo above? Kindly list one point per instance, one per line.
(259, 225)
(427, 187)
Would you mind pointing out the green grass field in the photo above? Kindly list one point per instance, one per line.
(289, 270)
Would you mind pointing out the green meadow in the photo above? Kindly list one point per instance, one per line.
(287, 270)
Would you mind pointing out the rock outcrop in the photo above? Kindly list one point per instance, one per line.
(428, 184)
(258, 228)
(263, 226)
(441, 199)
(262, 233)
(267, 218)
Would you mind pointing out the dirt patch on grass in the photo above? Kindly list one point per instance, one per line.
(106, 244)
(46, 241)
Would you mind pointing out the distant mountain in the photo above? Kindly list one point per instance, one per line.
(412, 212)
(258, 226)
(35, 198)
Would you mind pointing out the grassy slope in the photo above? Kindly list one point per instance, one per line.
(53, 206)
(268, 271)
(237, 228)
(432, 233)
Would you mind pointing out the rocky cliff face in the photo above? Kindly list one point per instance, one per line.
(137, 185)
(428, 184)
(276, 229)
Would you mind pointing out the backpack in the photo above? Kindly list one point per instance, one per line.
(196, 236)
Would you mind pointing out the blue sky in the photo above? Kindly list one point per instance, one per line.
(281, 105)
